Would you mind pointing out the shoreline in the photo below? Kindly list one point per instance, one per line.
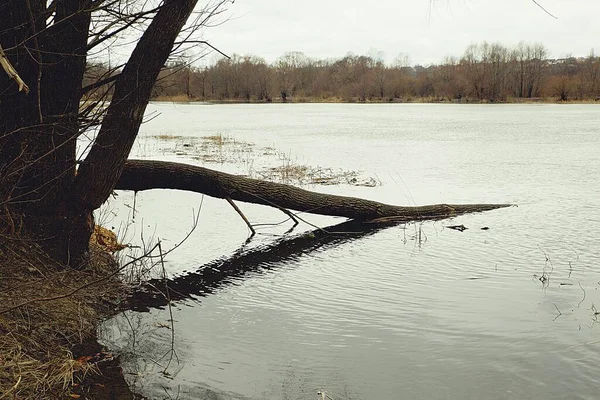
(183, 99)
(49, 322)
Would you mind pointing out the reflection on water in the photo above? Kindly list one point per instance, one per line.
(416, 311)
(225, 271)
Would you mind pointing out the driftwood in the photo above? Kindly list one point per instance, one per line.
(147, 174)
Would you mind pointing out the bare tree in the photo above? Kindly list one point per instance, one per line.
(48, 44)
(475, 72)
(592, 74)
(287, 71)
(563, 83)
(46, 191)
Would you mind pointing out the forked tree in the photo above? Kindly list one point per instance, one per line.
(45, 192)
(49, 195)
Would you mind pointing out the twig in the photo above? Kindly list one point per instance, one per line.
(581, 287)
(168, 298)
(100, 83)
(235, 207)
(38, 59)
(279, 207)
(291, 215)
(5, 395)
(546, 11)
(205, 43)
(559, 313)
(134, 204)
(195, 218)
(545, 278)
(324, 395)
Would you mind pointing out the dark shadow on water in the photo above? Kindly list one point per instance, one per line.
(223, 271)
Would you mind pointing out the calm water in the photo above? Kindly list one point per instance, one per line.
(415, 311)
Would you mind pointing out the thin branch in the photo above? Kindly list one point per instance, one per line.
(583, 290)
(546, 11)
(291, 215)
(99, 38)
(100, 83)
(38, 60)
(235, 207)
(195, 218)
(559, 313)
(205, 43)
(171, 320)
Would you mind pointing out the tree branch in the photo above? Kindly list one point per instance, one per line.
(546, 11)
(146, 174)
(124, 116)
(241, 214)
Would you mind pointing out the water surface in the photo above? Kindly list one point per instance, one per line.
(413, 311)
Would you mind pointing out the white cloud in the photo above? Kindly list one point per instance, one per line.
(427, 33)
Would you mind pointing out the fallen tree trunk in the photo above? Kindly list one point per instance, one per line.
(147, 174)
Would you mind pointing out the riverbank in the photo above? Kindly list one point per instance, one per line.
(336, 100)
(49, 317)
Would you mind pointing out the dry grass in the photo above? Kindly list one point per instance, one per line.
(37, 338)
(221, 149)
(218, 140)
(290, 173)
(180, 98)
(167, 137)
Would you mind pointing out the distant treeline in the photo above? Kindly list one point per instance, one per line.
(485, 73)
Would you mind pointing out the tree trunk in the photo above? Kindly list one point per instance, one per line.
(40, 193)
(146, 174)
(39, 130)
(102, 166)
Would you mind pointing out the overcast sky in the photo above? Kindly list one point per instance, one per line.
(427, 33)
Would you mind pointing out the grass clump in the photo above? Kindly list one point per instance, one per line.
(218, 140)
(223, 149)
(167, 137)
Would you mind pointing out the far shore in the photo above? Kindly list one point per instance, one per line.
(335, 100)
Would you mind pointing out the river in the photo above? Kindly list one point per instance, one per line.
(411, 311)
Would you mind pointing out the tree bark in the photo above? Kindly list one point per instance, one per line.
(39, 130)
(101, 169)
(146, 174)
